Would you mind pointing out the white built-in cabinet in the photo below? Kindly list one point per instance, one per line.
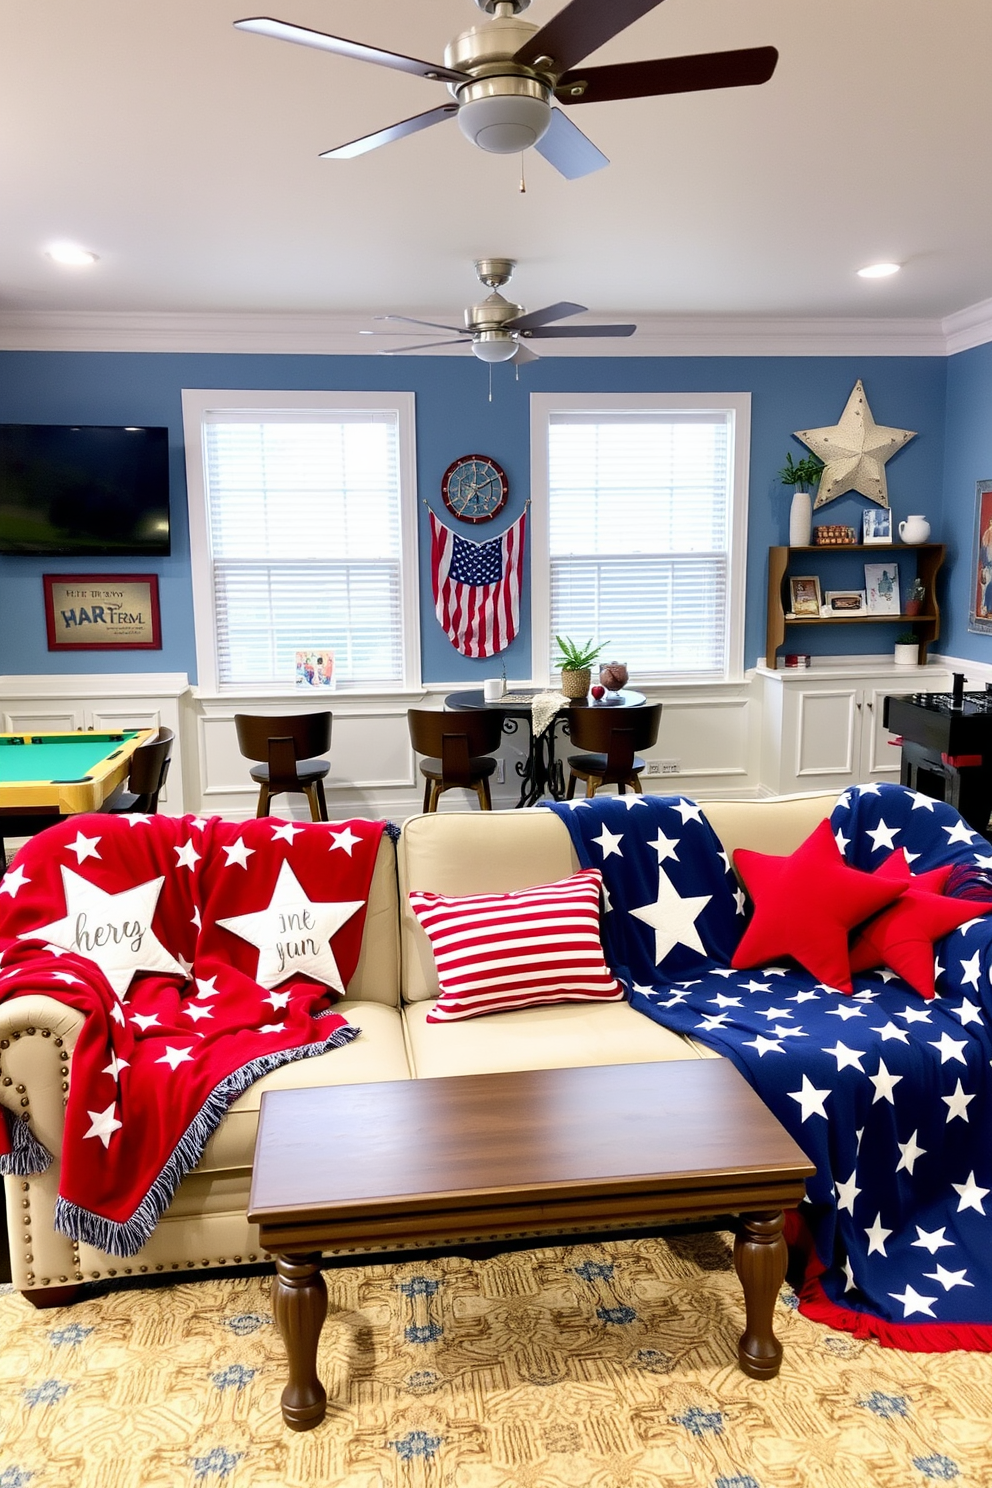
(822, 728)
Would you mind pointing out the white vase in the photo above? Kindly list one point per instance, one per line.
(906, 653)
(801, 520)
(914, 530)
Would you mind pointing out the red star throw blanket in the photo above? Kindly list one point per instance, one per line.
(203, 954)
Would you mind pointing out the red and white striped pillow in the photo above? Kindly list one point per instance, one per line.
(495, 952)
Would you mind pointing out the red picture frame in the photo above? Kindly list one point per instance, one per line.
(102, 612)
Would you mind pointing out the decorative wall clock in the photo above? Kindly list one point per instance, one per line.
(474, 488)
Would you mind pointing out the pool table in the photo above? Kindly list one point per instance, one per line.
(47, 776)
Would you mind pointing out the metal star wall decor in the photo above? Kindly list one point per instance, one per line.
(855, 451)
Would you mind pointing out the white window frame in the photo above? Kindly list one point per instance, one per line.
(198, 403)
(738, 406)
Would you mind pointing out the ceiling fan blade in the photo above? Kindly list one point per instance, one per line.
(546, 332)
(739, 69)
(581, 28)
(570, 151)
(394, 132)
(542, 317)
(303, 36)
(409, 320)
(523, 355)
(426, 346)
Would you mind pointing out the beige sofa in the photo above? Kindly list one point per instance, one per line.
(388, 998)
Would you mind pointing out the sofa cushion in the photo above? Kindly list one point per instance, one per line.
(556, 1037)
(902, 936)
(530, 947)
(806, 903)
(378, 1053)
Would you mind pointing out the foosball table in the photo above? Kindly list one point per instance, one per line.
(946, 740)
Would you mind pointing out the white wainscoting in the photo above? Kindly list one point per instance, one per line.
(726, 740)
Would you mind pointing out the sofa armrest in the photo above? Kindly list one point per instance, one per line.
(37, 1037)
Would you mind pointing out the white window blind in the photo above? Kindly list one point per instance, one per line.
(303, 523)
(639, 523)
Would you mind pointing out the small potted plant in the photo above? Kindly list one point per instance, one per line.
(802, 475)
(575, 663)
(906, 651)
(914, 599)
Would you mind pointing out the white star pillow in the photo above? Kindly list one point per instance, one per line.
(114, 930)
(294, 933)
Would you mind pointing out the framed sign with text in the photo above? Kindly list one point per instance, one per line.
(102, 612)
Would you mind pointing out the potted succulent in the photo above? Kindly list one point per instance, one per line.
(906, 651)
(802, 475)
(575, 663)
(914, 599)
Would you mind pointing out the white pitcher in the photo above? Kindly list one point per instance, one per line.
(914, 530)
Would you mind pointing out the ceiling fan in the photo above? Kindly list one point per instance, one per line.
(505, 75)
(497, 330)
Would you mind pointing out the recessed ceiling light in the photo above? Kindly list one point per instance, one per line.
(71, 254)
(879, 271)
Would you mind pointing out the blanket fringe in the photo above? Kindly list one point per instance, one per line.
(126, 1237)
(27, 1156)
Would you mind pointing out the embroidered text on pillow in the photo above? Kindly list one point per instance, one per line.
(495, 952)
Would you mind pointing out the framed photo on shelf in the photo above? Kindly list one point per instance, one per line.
(876, 525)
(804, 596)
(102, 612)
(882, 588)
(980, 616)
(846, 601)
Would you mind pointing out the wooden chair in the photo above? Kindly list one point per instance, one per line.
(146, 777)
(611, 737)
(458, 746)
(286, 747)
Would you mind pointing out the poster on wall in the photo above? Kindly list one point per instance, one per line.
(980, 617)
(102, 612)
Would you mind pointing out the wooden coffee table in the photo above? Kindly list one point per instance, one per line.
(536, 1153)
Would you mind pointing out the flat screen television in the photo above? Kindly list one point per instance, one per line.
(84, 489)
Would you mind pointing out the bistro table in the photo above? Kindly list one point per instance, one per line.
(541, 772)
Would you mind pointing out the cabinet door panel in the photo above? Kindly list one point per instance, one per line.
(827, 733)
(881, 760)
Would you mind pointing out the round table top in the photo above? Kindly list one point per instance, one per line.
(520, 701)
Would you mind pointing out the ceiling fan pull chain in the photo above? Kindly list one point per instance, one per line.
(523, 180)
(490, 382)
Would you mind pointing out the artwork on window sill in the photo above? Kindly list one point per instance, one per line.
(315, 668)
(102, 612)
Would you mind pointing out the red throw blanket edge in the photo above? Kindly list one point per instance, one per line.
(171, 1133)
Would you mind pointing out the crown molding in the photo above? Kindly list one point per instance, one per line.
(969, 327)
(339, 335)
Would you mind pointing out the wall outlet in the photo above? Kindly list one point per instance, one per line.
(501, 772)
(663, 767)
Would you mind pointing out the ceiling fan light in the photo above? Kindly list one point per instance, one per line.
(494, 346)
(879, 270)
(504, 125)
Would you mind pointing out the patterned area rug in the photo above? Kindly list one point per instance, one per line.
(609, 1365)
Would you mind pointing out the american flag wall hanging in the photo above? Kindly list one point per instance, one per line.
(477, 587)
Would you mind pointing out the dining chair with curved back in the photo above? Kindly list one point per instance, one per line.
(610, 740)
(458, 746)
(146, 777)
(286, 748)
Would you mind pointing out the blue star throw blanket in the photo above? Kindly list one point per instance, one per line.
(890, 1095)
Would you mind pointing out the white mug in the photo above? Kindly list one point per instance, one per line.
(492, 689)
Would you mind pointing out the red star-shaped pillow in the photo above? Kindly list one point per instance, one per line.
(902, 936)
(805, 905)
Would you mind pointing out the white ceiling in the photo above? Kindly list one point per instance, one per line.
(185, 154)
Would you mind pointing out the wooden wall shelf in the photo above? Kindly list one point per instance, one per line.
(929, 558)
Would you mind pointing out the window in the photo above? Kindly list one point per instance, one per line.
(302, 533)
(639, 524)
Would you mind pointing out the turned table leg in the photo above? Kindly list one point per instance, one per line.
(760, 1257)
(299, 1303)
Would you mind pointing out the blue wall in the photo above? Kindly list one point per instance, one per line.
(454, 417)
(969, 460)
